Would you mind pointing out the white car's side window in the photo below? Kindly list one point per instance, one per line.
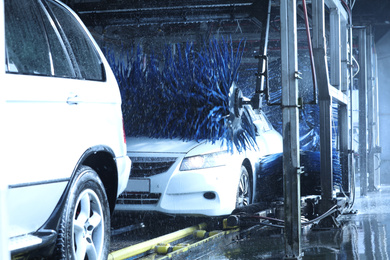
(88, 60)
(33, 45)
(62, 64)
(27, 48)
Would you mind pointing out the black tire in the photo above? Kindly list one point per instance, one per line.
(84, 231)
(244, 190)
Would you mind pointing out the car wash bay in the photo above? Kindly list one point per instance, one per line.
(364, 234)
(313, 70)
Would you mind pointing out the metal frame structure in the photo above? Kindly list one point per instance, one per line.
(372, 113)
(335, 84)
(368, 112)
(332, 87)
(291, 161)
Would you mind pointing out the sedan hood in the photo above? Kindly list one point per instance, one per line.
(158, 145)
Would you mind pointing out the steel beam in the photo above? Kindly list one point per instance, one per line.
(376, 138)
(345, 112)
(138, 13)
(372, 113)
(363, 110)
(335, 48)
(332, 87)
(370, 110)
(339, 96)
(336, 4)
(346, 60)
(291, 160)
(351, 159)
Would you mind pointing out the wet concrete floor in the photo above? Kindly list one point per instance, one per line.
(364, 235)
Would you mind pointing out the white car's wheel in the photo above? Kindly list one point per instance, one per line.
(244, 190)
(84, 231)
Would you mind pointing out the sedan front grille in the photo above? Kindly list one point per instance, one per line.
(138, 198)
(149, 166)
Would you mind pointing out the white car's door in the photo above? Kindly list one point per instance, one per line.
(38, 119)
(97, 97)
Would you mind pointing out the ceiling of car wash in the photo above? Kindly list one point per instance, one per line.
(171, 21)
(138, 12)
(162, 12)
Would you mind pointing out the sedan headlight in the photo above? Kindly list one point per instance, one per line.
(204, 161)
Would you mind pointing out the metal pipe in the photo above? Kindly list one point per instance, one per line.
(303, 223)
(140, 248)
(324, 215)
(183, 7)
(262, 70)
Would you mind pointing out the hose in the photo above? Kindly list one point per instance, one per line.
(326, 214)
(313, 69)
(357, 64)
(348, 10)
(268, 224)
(267, 218)
(305, 223)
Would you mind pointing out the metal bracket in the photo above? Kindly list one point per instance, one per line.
(298, 74)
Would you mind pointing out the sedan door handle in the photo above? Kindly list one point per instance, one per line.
(72, 100)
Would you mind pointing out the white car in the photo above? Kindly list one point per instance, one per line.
(63, 146)
(194, 178)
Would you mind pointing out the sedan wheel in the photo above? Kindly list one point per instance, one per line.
(244, 191)
(85, 224)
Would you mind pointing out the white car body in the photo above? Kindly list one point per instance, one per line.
(177, 191)
(52, 125)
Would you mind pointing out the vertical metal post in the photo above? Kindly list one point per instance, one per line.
(325, 103)
(351, 159)
(291, 160)
(326, 163)
(346, 46)
(370, 111)
(335, 48)
(344, 126)
(363, 111)
(377, 159)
